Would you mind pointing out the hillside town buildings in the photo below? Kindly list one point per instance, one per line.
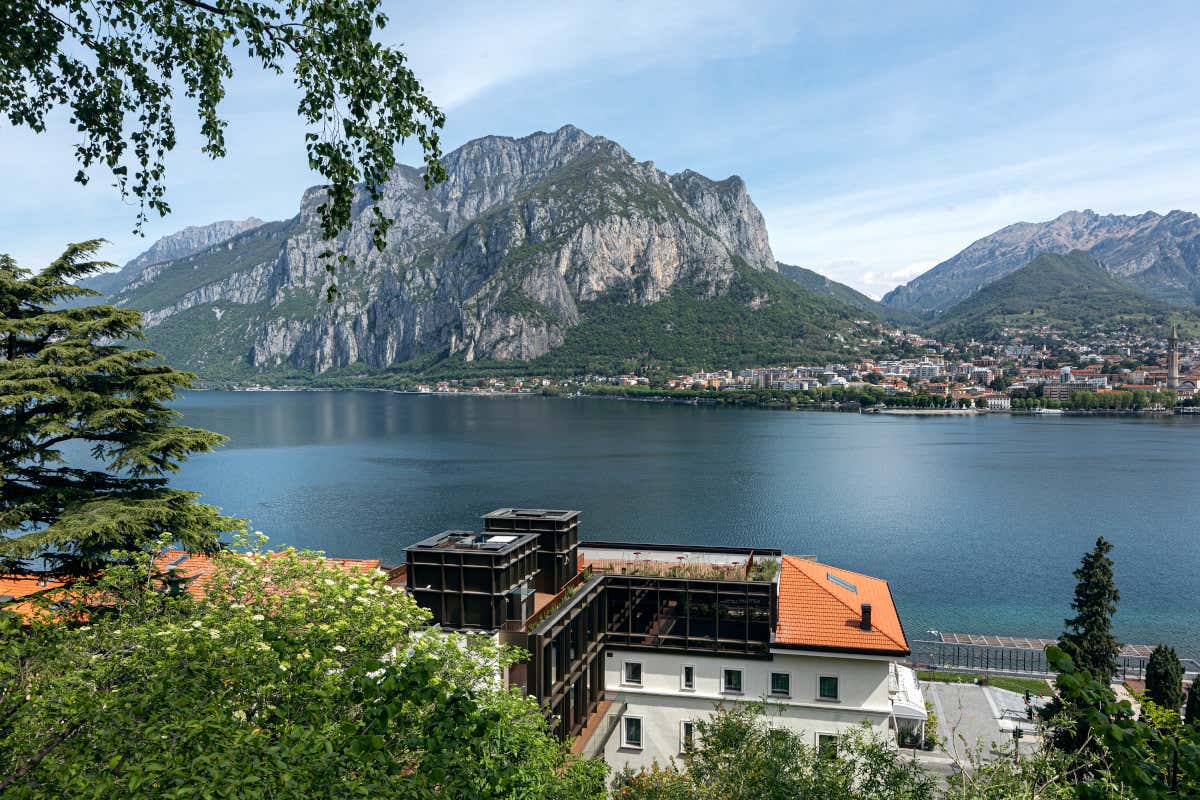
(976, 375)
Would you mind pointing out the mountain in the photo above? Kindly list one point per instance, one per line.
(1072, 292)
(176, 245)
(557, 249)
(818, 284)
(1158, 255)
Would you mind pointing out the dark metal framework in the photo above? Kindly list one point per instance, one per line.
(690, 615)
(558, 541)
(566, 665)
(486, 581)
(471, 580)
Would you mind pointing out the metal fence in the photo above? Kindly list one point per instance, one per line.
(1003, 656)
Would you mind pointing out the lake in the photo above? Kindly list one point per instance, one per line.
(977, 522)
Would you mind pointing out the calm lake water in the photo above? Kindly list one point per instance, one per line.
(977, 522)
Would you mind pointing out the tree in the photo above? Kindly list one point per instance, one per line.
(87, 439)
(1164, 678)
(1088, 639)
(289, 677)
(1126, 756)
(116, 65)
(1191, 714)
(739, 755)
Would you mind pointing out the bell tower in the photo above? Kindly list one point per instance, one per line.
(1173, 359)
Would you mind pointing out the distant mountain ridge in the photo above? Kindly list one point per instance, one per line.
(1153, 253)
(819, 284)
(1072, 292)
(190, 240)
(557, 249)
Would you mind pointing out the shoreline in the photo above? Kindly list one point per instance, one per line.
(923, 412)
(717, 400)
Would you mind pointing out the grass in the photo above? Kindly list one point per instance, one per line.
(1034, 686)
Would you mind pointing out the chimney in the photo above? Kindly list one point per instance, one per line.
(866, 617)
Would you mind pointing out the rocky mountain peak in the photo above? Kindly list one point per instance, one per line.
(186, 242)
(1155, 254)
(500, 261)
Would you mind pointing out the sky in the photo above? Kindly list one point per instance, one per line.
(877, 139)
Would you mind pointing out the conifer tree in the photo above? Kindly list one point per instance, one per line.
(1164, 678)
(1088, 639)
(1191, 714)
(87, 440)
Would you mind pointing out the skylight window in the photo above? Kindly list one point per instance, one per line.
(829, 576)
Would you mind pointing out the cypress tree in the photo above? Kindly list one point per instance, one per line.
(87, 441)
(1088, 639)
(1191, 714)
(1164, 678)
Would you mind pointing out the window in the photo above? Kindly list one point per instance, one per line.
(633, 672)
(733, 680)
(632, 733)
(827, 687)
(781, 683)
(827, 745)
(687, 735)
(687, 679)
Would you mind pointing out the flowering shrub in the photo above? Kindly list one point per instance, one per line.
(281, 674)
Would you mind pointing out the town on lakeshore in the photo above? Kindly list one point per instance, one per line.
(1110, 373)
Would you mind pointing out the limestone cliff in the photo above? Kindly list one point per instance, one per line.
(499, 262)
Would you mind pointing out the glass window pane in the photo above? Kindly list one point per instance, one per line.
(828, 687)
(827, 745)
(689, 677)
(781, 683)
(633, 732)
(633, 672)
(733, 680)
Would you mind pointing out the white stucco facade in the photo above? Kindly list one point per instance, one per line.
(661, 702)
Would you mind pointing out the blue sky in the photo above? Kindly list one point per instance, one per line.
(877, 139)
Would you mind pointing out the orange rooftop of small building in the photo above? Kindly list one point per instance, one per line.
(193, 570)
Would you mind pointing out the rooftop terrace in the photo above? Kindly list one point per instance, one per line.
(674, 561)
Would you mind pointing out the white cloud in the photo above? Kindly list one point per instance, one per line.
(465, 51)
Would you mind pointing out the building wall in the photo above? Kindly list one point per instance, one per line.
(663, 705)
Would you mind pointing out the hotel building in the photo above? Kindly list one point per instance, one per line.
(631, 644)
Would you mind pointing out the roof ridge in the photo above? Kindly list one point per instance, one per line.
(847, 606)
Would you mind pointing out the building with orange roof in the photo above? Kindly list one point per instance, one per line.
(631, 644)
(187, 571)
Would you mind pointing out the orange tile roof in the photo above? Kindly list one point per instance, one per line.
(820, 614)
(195, 568)
(23, 585)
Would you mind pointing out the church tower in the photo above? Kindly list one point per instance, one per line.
(1173, 360)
